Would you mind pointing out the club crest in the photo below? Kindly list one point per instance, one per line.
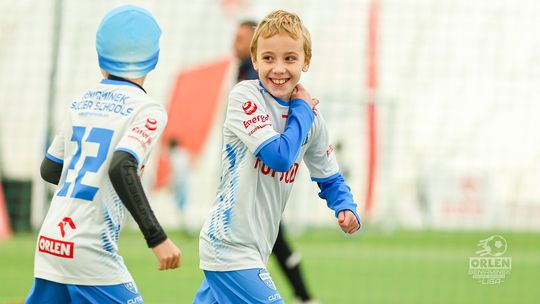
(131, 287)
(267, 279)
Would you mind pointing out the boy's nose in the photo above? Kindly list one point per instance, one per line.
(279, 67)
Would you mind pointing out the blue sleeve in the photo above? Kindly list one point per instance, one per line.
(338, 195)
(280, 153)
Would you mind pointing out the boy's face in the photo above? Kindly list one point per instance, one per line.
(279, 63)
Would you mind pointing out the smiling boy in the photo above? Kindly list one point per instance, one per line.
(271, 126)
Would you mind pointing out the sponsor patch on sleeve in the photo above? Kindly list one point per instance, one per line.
(329, 150)
(151, 124)
(249, 107)
(144, 135)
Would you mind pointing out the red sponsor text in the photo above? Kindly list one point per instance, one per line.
(56, 247)
(285, 177)
(256, 119)
(329, 150)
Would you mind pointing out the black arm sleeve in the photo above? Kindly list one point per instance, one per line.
(126, 182)
(51, 171)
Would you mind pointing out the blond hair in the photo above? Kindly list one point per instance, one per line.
(278, 22)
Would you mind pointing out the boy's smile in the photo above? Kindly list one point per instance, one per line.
(279, 62)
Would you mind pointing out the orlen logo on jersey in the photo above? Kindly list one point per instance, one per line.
(56, 247)
(249, 107)
(151, 124)
(66, 222)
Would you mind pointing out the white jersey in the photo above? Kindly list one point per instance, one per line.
(78, 241)
(243, 223)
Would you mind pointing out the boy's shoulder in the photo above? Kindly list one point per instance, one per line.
(319, 122)
(246, 86)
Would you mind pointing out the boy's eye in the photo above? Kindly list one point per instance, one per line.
(267, 57)
(290, 58)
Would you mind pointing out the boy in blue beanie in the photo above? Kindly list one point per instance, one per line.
(96, 160)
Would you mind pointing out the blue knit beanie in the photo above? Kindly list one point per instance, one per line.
(127, 42)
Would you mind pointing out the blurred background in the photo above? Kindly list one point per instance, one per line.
(431, 105)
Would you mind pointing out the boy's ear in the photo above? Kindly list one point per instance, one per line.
(254, 63)
(305, 68)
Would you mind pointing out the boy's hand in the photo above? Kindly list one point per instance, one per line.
(300, 92)
(168, 255)
(348, 222)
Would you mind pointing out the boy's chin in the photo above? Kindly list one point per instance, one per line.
(282, 93)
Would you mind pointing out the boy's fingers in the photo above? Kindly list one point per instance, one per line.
(341, 217)
(355, 226)
(348, 223)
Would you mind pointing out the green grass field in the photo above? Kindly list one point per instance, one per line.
(373, 267)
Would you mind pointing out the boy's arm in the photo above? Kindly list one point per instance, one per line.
(127, 183)
(280, 153)
(51, 170)
(53, 162)
(339, 198)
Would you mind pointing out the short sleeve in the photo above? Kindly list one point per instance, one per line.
(320, 157)
(56, 150)
(143, 133)
(248, 119)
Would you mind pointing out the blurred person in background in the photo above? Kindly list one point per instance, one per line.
(241, 48)
(96, 160)
(288, 260)
(180, 172)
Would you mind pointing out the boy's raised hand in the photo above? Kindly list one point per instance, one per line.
(348, 222)
(168, 255)
(300, 92)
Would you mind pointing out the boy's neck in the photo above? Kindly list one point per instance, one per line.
(137, 81)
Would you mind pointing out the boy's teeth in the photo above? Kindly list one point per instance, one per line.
(279, 81)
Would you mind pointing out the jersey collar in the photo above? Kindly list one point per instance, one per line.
(115, 80)
(282, 102)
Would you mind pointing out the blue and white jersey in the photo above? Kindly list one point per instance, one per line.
(78, 241)
(242, 225)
